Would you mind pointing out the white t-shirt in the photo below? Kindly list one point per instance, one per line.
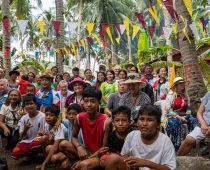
(160, 152)
(37, 123)
(59, 133)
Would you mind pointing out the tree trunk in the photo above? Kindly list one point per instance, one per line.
(81, 6)
(88, 55)
(114, 56)
(6, 37)
(129, 49)
(60, 37)
(192, 72)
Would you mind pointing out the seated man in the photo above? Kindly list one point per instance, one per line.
(199, 133)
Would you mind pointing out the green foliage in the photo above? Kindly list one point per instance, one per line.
(202, 42)
(205, 68)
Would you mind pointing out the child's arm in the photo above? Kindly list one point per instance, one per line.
(80, 150)
(52, 150)
(135, 162)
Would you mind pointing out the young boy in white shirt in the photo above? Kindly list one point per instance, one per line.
(51, 137)
(146, 148)
(29, 125)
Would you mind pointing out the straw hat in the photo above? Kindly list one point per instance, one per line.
(130, 63)
(76, 80)
(134, 78)
(47, 75)
(177, 80)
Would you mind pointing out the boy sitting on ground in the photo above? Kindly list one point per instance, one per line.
(72, 112)
(51, 137)
(121, 121)
(95, 129)
(146, 148)
(29, 125)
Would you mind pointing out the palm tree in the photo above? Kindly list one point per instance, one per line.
(6, 36)
(192, 71)
(60, 37)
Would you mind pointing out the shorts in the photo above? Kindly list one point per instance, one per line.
(24, 149)
(197, 134)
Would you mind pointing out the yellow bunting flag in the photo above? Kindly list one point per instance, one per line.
(136, 29)
(188, 4)
(97, 38)
(66, 51)
(202, 31)
(185, 28)
(172, 76)
(73, 48)
(90, 26)
(126, 23)
(153, 12)
(41, 26)
(118, 40)
(58, 52)
(83, 43)
(108, 31)
(174, 27)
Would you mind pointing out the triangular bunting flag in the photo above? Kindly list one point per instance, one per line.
(83, 44)
(136, 29)
(167, 32)
(169, 6)
(108, 31)
(151, 30)
(22, 25)
(56, 25)
(72, 27)
(122, 28)
(117, 26)
(172, 76)
(90, 26)
(153, 12)
(140, 17)
(188, 4)
(97, 38)
(194, 30)
(118, 40)
(73, 49)
(126, 23)
(40, 24)
(6, 24)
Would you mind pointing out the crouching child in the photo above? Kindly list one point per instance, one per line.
(51, 137)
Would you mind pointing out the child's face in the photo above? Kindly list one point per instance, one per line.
(91, 104)
(50, 118)
(148, 125)
(30, 106)
(71, 115)
(121, 122)
(30, 90)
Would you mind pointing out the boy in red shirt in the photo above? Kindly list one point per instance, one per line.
(95, 130)
(23, 84)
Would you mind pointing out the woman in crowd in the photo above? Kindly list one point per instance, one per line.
(58, 78)
(31, 77)
(107, 88)
(12, 83)
(89, 76)
(161, 85)
(122, 74)
(77, 86)
(9, 116)
(100, 79)
(178, 113)
(134, 98)
(38, 82)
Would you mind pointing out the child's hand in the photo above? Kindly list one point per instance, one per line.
(134, 162)
(75, 166)
(41, 132)
(51, 136)
(40, 167)
(82, 153)
(27, 125)
(102, 151)
(57, 125)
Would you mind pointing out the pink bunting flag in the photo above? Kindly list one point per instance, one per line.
(6, 24)
(140, 17)
(169, 6)
(56, 25)
(151, 30)
(117, 26)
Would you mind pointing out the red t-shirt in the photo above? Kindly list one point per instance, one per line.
(22, 86)
(93, 132)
